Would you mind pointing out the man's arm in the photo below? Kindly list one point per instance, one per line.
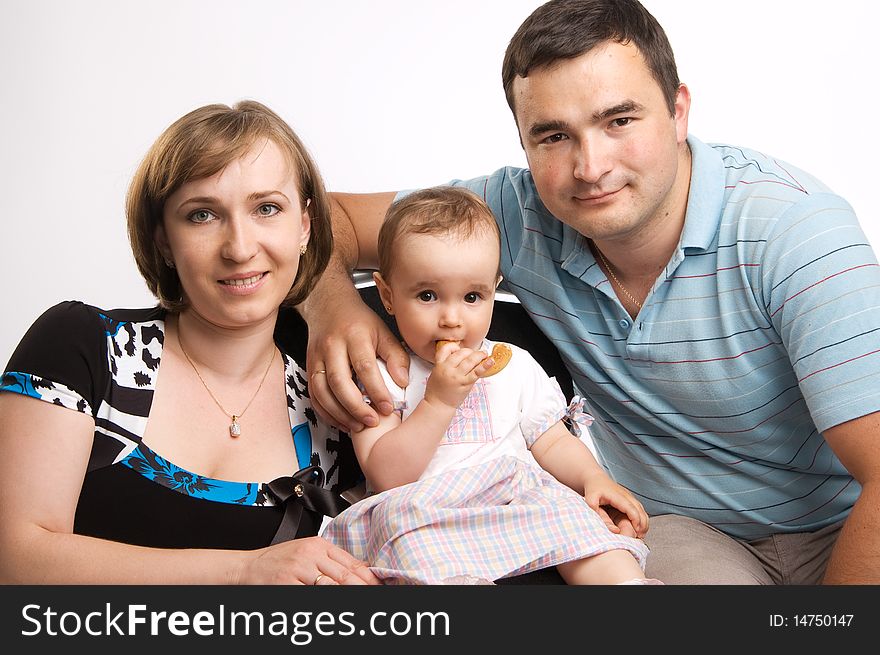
(856, 555)
(357, 218)
(344, 334)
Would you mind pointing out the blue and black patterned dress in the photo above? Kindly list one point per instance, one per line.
(105, 364)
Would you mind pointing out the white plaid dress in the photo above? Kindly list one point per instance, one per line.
(483, 508)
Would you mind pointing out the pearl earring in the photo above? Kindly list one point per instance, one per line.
(303, 248)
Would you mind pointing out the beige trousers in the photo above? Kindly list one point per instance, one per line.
(687, 552)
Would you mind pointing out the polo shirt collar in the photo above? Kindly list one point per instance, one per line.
(705, 197)
(702, 217)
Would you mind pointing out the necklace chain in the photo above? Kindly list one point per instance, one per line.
(234, 427)
(614, 277)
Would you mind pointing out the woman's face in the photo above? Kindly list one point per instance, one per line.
(235, 238)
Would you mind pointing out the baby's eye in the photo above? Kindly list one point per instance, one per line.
(471, 297)
(427, 296)
(268, 209)
(201, 216)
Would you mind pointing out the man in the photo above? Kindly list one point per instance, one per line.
(719, 309)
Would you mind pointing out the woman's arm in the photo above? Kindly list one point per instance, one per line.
(44, 453)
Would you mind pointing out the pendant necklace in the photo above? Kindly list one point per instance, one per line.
(619, 283)
(235, 426)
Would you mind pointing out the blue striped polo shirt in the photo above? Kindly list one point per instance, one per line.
(761, 332)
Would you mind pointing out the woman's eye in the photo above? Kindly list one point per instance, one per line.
(427, 296)
(268, 210)
(201, 216)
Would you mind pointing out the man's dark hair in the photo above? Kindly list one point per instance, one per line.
(566, 29)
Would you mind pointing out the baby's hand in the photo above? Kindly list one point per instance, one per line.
(605, 496)
(456, 369)
(501, 354)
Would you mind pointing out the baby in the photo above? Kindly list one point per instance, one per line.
(477, 477)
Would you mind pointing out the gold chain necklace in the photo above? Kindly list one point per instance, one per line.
(235, 426)
(614, 277)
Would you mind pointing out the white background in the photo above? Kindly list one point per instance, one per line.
(387, 94)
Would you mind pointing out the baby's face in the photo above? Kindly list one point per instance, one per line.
(443, 288)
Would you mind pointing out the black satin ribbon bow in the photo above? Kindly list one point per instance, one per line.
(300, 493)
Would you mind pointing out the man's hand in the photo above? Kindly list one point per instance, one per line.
(344, 339)
(344, 334)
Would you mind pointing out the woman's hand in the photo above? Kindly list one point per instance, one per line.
(309, 561)
(621, 511)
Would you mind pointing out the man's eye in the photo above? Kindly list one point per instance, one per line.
(268, 209)
(555, 138)
(472, 297)
(427, 296)
(201, 216)
(621, 122)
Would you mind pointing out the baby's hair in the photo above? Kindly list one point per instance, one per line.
(439, 210)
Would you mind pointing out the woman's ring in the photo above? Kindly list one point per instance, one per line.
(318, 579)
(319, 372)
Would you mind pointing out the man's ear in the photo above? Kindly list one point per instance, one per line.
(682, 111)
(384, 292)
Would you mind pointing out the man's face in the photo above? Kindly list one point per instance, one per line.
(602, 147)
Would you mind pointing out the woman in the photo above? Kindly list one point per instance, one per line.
(137, 445)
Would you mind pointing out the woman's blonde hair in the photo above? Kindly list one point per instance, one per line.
(199, 145)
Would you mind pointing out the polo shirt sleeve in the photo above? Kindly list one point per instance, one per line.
(821, 289)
